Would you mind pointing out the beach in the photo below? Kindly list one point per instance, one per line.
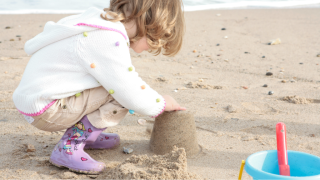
(219, 75)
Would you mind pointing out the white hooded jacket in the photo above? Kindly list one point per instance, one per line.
(61, 60)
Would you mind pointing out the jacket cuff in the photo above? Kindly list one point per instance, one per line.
(161, 110)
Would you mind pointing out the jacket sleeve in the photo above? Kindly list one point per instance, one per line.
(105, 55)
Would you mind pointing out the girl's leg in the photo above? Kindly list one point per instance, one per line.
(109, 114)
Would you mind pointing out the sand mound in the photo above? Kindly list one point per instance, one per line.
(297, 100)
(169, 166)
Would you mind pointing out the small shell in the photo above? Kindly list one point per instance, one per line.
(200, 80)
(127, 150)
(226, 37)
(141, 121)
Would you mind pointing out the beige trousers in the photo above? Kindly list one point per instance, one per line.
(100, 107)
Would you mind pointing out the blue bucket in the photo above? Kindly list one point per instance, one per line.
(264, 165)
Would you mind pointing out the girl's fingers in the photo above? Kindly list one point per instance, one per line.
(182, 108)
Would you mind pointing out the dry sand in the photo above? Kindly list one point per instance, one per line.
(226, 137)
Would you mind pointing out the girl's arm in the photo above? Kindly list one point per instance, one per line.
(109, 52)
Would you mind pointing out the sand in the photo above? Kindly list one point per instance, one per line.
(297, 100)
(225, 138)
(172, 165)
(175, 129)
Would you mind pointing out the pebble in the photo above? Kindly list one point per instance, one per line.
(270, 92)
(231, 109)
(141, 121)
(200, 80)
(8, 27)
(218, 44)
(127, 150)
(226, 37)
(223, 29)
(269, 74)
(218, 54)
(194, 51)
(245, 87)
(0, 42)
(318, 55)
(292, 81)
(246, 52)
(93, 176)
(218, 14)
(30, 148)
(275, 42)
(175, 90)
(283, 81)
(11, 39)
(6, 72)
(300, 63)
(265, 85)
(18, 36)
(263, 56)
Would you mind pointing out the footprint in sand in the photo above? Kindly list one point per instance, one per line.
(259, 108)
(263, 130)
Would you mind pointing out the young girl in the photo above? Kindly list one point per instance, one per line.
(80, 76)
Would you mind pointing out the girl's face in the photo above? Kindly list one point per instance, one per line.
(140, 46)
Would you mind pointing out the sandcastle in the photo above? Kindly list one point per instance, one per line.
(174, 129)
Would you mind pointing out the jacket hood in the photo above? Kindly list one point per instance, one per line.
(66, 27)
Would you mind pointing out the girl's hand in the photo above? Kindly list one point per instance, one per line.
(171, 104)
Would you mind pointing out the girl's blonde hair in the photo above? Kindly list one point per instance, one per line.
(162, 21)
